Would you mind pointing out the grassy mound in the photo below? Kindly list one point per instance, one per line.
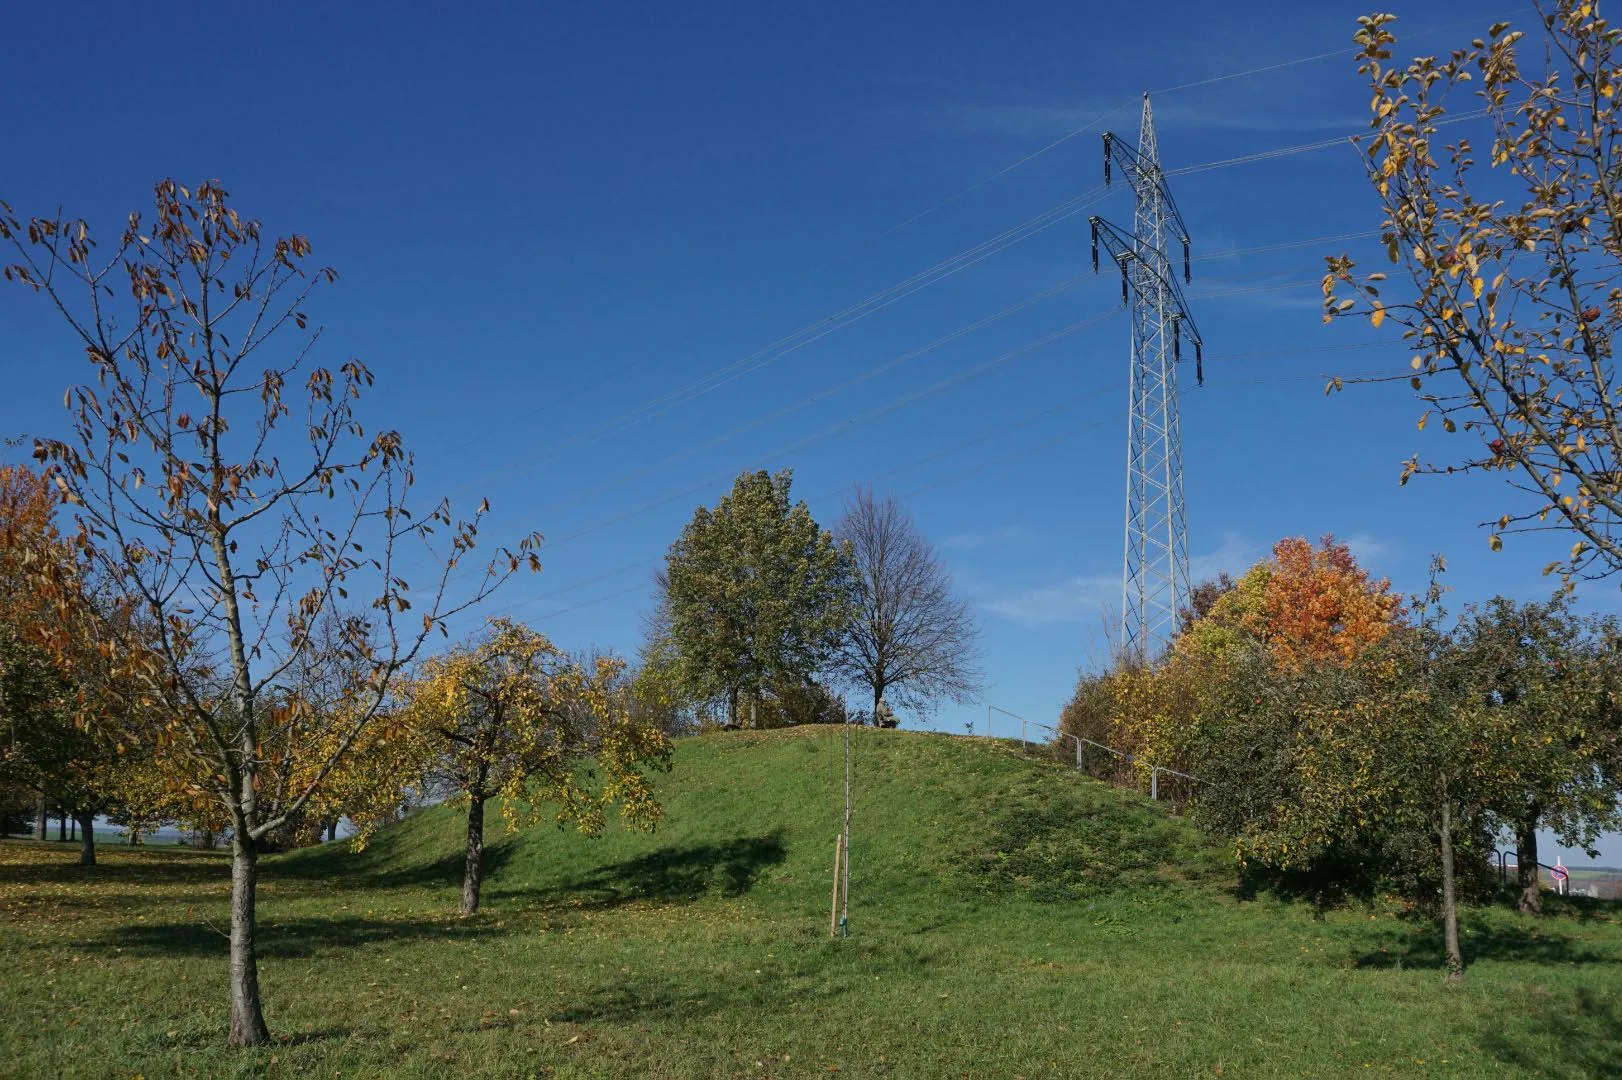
(757, 812)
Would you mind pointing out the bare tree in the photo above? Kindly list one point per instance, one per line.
(230, 515)
(910, 639)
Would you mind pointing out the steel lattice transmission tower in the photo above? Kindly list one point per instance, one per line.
(1155, 584)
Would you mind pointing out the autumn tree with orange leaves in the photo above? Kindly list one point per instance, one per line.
(1303, 605)
(57, 681)
(1307, 604)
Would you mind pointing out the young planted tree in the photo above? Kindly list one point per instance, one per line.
(509, 717)
(754, 590)
(228, 494)
(909, 636)
(1507, 254)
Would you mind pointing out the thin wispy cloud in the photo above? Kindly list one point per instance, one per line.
(1006, 534)
(1086, 597)
(1047, 121)
(1365, 548)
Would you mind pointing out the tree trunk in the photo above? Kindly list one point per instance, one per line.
(73, 828)
(87, 837)
(247, 1019)
(332, 830)
(1530, 901)
(62, 826)
(1450, 906)
(42, 822)
(473, 869)
(732, 707)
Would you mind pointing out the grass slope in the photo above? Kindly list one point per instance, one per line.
(1009, 918)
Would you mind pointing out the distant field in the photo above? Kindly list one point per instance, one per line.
(1603, 882)
(1009, 919)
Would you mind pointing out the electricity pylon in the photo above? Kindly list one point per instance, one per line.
(1155, 583)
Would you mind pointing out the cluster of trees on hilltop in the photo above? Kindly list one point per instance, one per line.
(762, 612)
(1346, 743)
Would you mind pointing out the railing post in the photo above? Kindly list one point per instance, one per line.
(1154, 783)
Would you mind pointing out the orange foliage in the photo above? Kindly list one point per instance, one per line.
(1320, 605)
(1307, 604)
(27, 509)
(29, 542)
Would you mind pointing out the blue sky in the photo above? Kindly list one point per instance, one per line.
(555, 223)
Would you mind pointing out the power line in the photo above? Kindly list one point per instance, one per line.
(1301, 148)
(934, 208)
(852, 422)
(960, 475)
(816, 331)
(1249, 72)
(912, 398)
(985, 436)
(1263, 249)
(884, 298)
(919, 281)
(866, 375)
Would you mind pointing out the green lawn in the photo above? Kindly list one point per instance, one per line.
(1009, 918)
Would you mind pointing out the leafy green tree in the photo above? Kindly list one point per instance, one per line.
(1320, 766)
(1425, 742)
(755, 591)
(1547, 672)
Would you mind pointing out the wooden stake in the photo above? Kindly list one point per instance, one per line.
(839, 861)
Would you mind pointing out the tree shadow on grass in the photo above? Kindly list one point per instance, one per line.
(1421, 947)
(806, 980)
(1587, 909)
(184, 871)
(670, 874)
(339, 865)
(1586, 1026)
(294, 938)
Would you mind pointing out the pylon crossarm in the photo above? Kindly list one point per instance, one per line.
(1123, 248)
(1141, 174)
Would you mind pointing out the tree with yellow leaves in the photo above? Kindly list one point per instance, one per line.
(1507, 254)
(66, 700)
(508, 717)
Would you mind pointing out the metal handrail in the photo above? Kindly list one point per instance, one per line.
(1154, 770)
(1503, 856)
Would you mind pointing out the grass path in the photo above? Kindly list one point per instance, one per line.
(1009, 919)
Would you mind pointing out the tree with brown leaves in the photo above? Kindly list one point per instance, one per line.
(228, 494)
